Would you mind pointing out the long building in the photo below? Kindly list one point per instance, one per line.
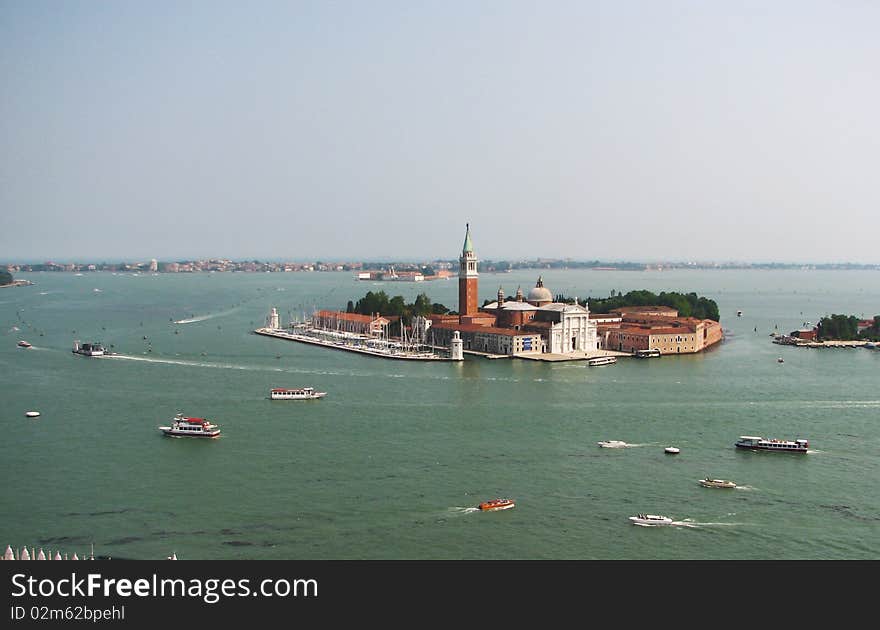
(669, 334)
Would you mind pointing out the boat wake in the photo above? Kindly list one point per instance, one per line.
(845, 404)
(462, 510)
(698, 524)
(223, 366)
(201, 318)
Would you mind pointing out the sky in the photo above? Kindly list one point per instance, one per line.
(613, 130)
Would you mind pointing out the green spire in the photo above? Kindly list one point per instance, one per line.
(468, 246)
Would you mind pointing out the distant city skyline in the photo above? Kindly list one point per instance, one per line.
(586, 130)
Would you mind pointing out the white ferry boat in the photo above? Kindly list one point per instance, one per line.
(761, 444)
(601, 361)
(647, 354)
(94, 349)
(182, 426)
(302, 393)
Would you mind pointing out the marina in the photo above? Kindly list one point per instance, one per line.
(353, 343)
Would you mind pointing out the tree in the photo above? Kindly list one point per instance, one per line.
(422, 305)
(838, 327)
(5, 277)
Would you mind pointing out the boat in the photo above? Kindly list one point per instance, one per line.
(24, 344)
(32, 414)
(780, 360)
(739, 313)
(496, 504)
(602, 360)
(716, 483)
(302, 393)
(647, 354)
(761, 444)
(183, 426)
(671, 450)
(94, 349)
(650, 519)
(612, 444)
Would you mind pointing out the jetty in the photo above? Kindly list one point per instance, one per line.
(786, 340)
(349, 342)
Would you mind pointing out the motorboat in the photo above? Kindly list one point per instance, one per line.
(716, 483)
(780, 360)
(650, 519)
(647, 354)
(496, 504)
(24, 344)
(756, 443)
(32, 414)
(94, 349)
(671, 450)
(601, 361)
(302, 393)
(183, 426)
(612, 444)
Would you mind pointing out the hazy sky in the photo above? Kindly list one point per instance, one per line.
(619, 130)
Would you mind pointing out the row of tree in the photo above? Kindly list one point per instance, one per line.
(687, 304)
(846, 328)
(5, 277)
(379, 302)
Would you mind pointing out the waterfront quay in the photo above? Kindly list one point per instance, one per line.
(784, 340)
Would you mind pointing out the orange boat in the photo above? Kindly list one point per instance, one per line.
(497, 504)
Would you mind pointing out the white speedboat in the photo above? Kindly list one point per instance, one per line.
(716, 483)
(671, 450)
(612, 444)
(650, 519)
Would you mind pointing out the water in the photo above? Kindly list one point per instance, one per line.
(392, 462)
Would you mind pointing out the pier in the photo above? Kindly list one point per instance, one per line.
(784, 340)
(353, 343)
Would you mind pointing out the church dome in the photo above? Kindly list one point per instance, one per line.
(539, 294)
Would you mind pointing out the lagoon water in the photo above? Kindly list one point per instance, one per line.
(392, 462)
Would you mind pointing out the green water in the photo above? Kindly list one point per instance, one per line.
(390, 464)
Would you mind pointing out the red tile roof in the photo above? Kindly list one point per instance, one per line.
(476, 328)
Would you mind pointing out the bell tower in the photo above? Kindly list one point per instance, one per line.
(467, 277)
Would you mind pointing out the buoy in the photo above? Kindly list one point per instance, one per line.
(32, 414)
